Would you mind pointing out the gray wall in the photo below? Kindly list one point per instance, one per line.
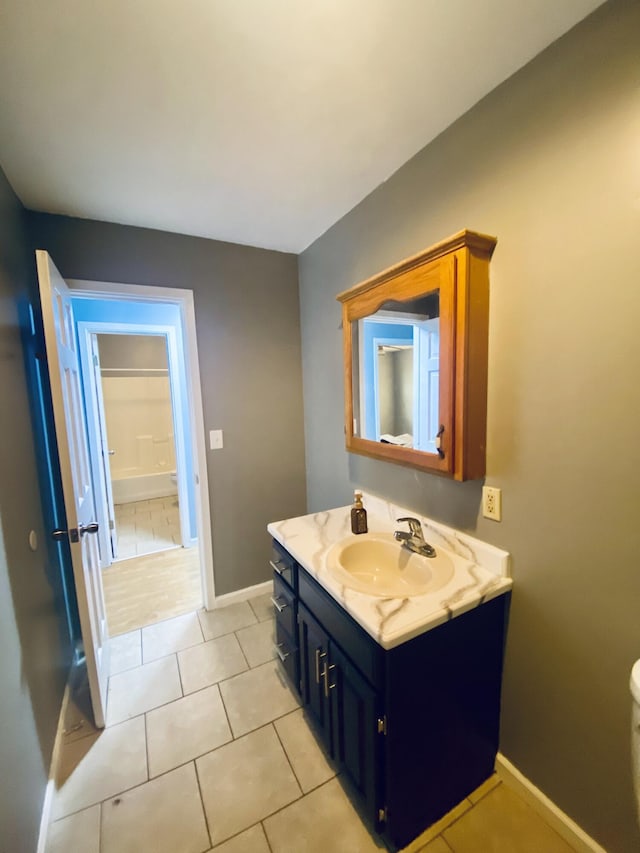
(133, 352)
(549, 163)
(248, 330)
(35, 652)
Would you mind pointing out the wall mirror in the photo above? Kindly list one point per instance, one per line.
(415, 359)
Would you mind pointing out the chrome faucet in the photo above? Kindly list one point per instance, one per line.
(414, 540)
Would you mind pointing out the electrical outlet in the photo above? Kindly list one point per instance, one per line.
(492, 503)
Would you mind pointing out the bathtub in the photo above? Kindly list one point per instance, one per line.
(141, 487)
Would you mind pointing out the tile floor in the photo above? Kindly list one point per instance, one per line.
(144, 590)
(143, 527)
(206, 749)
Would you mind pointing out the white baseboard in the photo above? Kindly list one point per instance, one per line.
(242, 594)
(45, 817)
(546, 808)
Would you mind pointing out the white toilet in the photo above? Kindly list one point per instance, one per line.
(635, 731)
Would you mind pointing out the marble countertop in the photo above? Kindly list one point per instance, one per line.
(481, 570)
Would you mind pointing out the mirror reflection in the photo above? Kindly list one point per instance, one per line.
(396, 362)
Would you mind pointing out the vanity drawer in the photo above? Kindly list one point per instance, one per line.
(283, 600)
(363, 650)
(286, 651)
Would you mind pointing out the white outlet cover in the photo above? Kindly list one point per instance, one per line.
(492, 503)
(215, 439)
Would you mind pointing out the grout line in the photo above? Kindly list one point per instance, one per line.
(204, 811)
(240, 832)
(284, 749)
(297, 800)
(226, 713)
(179, 675)
(246, 659)
(146, 747)
(485, 795)
(146, 711)
(264, 830)
(100, 827)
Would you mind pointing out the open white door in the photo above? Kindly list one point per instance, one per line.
(64, 374)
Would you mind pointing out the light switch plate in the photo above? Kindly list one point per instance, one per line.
(215, 439)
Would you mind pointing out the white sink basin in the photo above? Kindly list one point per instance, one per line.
(375, 563)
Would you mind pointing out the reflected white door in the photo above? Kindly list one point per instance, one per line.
(68, 413)
(426, 373)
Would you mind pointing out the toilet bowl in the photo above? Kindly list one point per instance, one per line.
(635, 731)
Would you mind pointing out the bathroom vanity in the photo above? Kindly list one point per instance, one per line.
(403, 692)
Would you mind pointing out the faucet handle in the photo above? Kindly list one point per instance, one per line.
(414, 526)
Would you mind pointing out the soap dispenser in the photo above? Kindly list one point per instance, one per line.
(358, 514)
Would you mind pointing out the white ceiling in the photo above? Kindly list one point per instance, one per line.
(254, 121)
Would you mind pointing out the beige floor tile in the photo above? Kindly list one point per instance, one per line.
(80, 831)
(503, 823)
(308, 760)
(159, 518)
(419, 843)
(482, 790)
(138, 690)
(262, 606)
(244, 782)
(256, 697)
(125, 652)
(123, 510)
(148, 589)
(164, 815)
(215, 623)
(210, 662)
(170, 636)
(257, 642)
(78, 718)
(184, 729)
(142, 520)
(321, 821)
(127, 549)
(438, 845)
(251, 841)
(100, 766)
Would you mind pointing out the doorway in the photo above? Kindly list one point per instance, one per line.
(70, 410)
(140, 403)
(135, 427)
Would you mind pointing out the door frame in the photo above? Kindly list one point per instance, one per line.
(184, 300)
(88, 328)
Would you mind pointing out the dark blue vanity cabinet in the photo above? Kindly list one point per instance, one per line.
(414, 729)
(285, 605)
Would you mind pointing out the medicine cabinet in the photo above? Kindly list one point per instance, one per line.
(415, 359)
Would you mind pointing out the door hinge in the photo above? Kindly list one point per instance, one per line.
(382, 725)
(112, 524)
(382, 814)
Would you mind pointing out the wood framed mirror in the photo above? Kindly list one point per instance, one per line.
(415, 359)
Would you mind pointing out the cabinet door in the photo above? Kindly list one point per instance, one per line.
(314, 648)
(356, 740)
